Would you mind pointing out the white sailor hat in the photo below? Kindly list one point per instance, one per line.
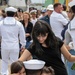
(34, 64)
(11, 9)
(33, 11)
(50, 7)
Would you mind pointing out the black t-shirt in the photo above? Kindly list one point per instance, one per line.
(52, 57)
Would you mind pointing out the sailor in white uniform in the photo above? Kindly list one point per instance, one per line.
(12, 32)
(34, 66)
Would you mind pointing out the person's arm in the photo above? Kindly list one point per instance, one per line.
(66, 54)
(63, 20)
(26, 54)
(22, 36)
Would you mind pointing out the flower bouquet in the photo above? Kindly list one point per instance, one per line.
(73, 66)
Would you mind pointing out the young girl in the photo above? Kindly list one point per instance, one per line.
(47, 47)
(47, 71)
(17, 68)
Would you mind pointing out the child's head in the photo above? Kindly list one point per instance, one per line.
(18, 67)
(47, 71)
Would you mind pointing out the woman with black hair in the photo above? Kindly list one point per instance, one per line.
(47, 47)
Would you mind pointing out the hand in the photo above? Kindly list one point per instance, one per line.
(22, 49)
(27, 34)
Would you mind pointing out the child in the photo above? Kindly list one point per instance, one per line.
(47, 71)
(17, 68)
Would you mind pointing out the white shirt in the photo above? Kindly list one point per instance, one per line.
(34, 21)
(57, 22)
(64, 13)
(11, 32)
(70, 33)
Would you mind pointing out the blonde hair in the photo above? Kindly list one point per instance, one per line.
(28, 15)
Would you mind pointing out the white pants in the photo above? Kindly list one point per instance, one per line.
(8, 56)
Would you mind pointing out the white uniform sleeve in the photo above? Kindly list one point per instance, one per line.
(22, 36)
(0, 28)
(0, 31)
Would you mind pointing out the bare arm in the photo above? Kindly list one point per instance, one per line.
(66, 54)
(26, 54)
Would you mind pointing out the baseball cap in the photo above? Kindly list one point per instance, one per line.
(34, 64)
(50, 7)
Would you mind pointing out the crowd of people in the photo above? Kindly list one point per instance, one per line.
(38, 34)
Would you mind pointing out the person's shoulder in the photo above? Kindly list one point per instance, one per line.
(61, 16)
(60, 42)
(19, 23)
(58, 39)
(44, 17)
(32, 46)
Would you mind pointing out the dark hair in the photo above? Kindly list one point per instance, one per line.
(73, 9)
(56, 5)
(10, 13)
(3, 13)
(42, 27)
(20, 10)
(33, 72)
(48, 70)
(16, 67)
(64, 7)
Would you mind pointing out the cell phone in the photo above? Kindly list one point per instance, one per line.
(73, 66)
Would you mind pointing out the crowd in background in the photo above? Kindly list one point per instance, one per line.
(56, 17)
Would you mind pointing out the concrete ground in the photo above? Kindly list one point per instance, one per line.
(0, 66)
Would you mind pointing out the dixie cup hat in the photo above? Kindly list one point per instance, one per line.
(12, 9)
(34, 64)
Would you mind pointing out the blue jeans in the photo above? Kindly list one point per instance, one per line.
(28, 44)
(69, 64)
